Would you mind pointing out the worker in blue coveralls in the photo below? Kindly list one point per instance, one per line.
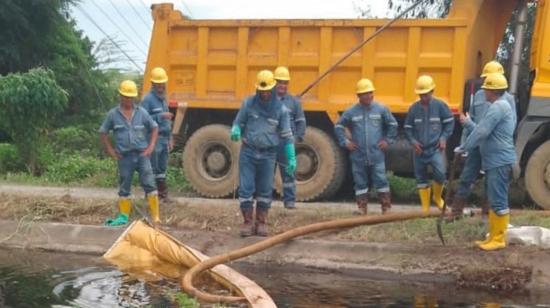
(297, 124)
(373, 128)
(494, 135)
(131, 126)
(428, 125)
(263, 124)
(472, 164)
(155, 104)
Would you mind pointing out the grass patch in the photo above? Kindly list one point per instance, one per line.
(225, 217)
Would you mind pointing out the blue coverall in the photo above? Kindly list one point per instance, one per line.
(427, 126)
(265, 126)
(131, 139)
(298, 126)
(368, 125)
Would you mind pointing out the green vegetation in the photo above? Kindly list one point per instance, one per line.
(29, 102)
(184, 301)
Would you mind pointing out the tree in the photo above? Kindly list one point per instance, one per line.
(427, 9)
(30, 102)
(42, 34)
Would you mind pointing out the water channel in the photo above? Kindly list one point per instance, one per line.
(30, 278)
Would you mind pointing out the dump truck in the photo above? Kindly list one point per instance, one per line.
(212, 66)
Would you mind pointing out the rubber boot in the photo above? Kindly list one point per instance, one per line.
(261, 219)
(424, 194)
(385, 201)
(491, 231)
(247, 229)
(457, 209)
(163, 191)
(154, 210)
(437, 190)
(362, 202)
(500, 227)
(125, 207)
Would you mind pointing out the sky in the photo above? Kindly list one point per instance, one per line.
(129, 22)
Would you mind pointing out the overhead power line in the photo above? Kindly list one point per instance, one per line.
(187, 8)
(138, 14)
(129, 24)
(119, 29)
(108, 37)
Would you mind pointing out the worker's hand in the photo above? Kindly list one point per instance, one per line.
(148, 151)
(463, 117)
(114, 154)
(291, 167)
(442, 145)
(235, 133)
(383, 145)
(290, 153)
(460, 151)
(351, 146)
(417, 147)
(171, 144)
(167, 115)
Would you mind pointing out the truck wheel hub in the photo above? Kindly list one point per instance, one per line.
(307, 162)
(216, 161)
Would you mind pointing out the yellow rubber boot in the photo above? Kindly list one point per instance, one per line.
(491, 231)
(424, 194)
(500, 226)
(437, 192)
(154, 210)
(125, 206)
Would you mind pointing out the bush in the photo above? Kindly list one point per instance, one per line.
(81, 169)
(74, 139)
(10, 161)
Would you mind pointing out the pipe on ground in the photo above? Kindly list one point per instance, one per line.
(187, 279)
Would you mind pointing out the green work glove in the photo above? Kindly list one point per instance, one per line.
(120, 220)
(235, 133)
(290, 158)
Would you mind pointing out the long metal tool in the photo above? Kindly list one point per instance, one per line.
(454, 166)
(359, 46)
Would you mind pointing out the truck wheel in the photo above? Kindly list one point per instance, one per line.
(321, 167)
(537, 176)
(210, 161)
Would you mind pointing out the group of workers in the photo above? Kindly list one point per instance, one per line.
(143, 137)
(271, 121)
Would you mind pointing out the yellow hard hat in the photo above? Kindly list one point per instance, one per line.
(281, 73)
(364, 85)
(128, 88)
(492, 67)
(265, 81)
(158, 75)
(495, 81)
(424, 84)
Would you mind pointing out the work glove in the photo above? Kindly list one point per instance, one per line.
(236, 133)
(290, 158)
(460, 151)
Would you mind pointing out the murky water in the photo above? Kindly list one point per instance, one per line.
(43, 279)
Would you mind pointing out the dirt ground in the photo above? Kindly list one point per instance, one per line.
(393, 250)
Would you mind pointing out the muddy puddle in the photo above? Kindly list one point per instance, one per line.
(44, 279)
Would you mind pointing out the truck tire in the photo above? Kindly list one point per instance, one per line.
(321, 167)
(537, 176)
(210, 161)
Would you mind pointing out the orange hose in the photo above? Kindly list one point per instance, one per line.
(187, 279)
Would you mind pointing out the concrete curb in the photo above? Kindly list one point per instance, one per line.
(350, 258)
